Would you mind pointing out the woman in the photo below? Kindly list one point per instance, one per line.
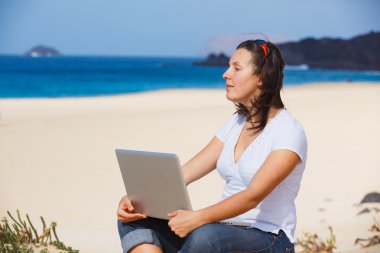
(261, 154)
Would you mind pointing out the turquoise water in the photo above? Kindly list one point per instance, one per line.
(22, 77)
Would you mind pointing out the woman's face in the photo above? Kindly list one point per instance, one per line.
(242, 85)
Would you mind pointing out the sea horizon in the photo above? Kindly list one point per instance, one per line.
(87, 76)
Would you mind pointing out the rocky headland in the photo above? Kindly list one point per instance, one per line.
(220, 60)
(358, 53)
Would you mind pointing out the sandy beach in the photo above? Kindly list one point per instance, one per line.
(57, 156)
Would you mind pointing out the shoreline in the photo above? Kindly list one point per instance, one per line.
(329, 83)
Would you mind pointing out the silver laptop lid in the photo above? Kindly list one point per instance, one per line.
(154, 182)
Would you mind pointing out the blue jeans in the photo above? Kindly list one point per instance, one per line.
(214, 237)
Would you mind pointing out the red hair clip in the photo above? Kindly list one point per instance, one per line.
(263, 45)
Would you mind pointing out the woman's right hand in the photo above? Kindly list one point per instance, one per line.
(125, 211)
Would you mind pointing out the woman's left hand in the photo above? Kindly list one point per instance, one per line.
(184, 222)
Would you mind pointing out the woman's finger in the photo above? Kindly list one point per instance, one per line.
(128, 217)
(172, 214)
(126, 203)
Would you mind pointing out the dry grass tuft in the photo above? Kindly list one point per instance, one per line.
(312, 243)
(371, 241)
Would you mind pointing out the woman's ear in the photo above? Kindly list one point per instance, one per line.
(260, 82)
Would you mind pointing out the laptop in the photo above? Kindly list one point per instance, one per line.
(154, 183)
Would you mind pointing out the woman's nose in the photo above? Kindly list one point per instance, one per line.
(226, 74)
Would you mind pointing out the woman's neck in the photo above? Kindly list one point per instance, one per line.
(273, 111)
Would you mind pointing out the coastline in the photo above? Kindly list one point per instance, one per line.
(57, 155)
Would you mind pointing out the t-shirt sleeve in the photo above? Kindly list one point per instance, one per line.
(223, 132)
(292, 138)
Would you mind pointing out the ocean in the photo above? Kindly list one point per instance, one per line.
(24, 77)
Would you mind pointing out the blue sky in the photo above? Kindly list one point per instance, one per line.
(174, 27)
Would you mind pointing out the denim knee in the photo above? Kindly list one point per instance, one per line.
(133, 234)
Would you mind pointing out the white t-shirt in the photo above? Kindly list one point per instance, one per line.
(277, 211)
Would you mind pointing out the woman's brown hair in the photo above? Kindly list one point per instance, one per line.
(269, 65)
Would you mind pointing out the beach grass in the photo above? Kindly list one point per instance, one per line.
(18, 235)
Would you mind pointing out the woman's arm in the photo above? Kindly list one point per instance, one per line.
(203, 162)
(274, 170)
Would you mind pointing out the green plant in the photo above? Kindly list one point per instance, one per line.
(20, 237)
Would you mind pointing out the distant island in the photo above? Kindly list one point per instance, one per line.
(42, 51)
(359, 53)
